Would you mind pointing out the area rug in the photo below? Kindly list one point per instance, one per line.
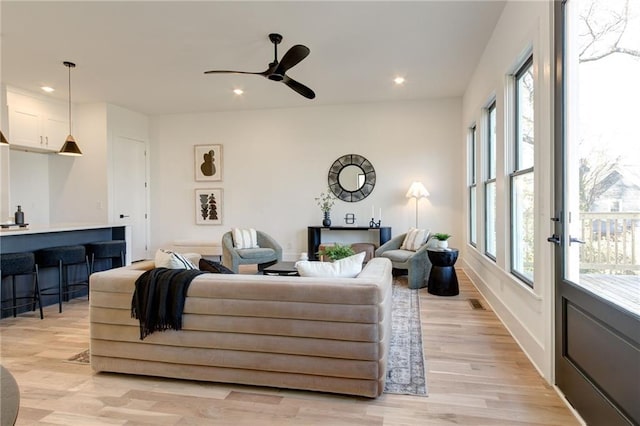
(80, 358)
(406, 366)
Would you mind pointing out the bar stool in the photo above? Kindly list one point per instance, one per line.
(13, 264)
(63, 257)
(114, 249)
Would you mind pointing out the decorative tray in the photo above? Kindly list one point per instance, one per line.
(13, 225)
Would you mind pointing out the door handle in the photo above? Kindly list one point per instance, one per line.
(575, 240)
(555, 239)
(122, 216)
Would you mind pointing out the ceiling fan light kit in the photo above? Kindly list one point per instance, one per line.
(277, 70)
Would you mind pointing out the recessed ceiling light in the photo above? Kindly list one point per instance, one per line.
(48, 89)
(238, 91)
(399, 80)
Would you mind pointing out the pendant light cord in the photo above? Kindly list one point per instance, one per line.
(69, 65)
(69, 98)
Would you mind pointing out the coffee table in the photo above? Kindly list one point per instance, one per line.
(282, 269)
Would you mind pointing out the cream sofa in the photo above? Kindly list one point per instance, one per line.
(321, 334)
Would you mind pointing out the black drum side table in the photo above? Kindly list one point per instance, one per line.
(442, 279)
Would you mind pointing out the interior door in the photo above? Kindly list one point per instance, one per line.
(130, 192)
(597, 282)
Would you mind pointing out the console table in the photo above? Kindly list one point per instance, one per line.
(314, 236)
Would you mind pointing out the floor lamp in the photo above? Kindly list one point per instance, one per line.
(417, 191)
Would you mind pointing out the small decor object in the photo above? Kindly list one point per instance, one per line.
(19, 216)
(350, 219)
(325, 201)
(336, 252)
(442, 242)
(303, 256)
(208, 162)
(208, 205)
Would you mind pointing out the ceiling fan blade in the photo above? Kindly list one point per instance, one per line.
(292, 58)
(263, 73)
(299, 87)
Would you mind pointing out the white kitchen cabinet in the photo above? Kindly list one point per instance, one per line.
(36, 124)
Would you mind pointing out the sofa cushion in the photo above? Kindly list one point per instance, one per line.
(415, 238)
(349, 267)
(244, 238)
(399, 255)
(213, 267)
(255, 253)
(172, 260)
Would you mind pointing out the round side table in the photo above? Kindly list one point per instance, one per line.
(442, 279)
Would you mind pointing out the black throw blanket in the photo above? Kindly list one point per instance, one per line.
(158, 299)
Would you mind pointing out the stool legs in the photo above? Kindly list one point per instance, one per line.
(36, 284)
(35, 298)
(66, 290)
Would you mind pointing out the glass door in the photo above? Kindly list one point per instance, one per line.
(598, 208)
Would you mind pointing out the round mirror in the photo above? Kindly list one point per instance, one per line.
(352, 178)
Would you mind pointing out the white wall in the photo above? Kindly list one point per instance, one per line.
(528, 314)
(29, 183)
(78, 185)
(275, 162)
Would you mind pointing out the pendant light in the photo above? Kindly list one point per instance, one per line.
(3, 140)
(70, 146)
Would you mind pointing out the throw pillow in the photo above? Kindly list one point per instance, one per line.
(213, 267)
(414, 239)
(244, 238)
(349, 267)
(172, 260)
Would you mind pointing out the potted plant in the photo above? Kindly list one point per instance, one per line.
(336, 252)
(441, 238)
(326, 201)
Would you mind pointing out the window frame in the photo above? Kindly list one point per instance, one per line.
(517, 171)
(473, 186)
(491, 172)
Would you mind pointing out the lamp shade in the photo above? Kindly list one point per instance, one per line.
(70, 147)
(417, 190)
(3, 140)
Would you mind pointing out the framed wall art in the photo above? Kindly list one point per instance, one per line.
(208, 162)
(209, 204)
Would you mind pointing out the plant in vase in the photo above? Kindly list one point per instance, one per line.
(325, 201)
(441, 238)
(336, 252)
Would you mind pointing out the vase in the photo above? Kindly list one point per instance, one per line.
(443, 245)
(327, 220)
(19, 216)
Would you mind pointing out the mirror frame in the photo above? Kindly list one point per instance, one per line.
(369, 178)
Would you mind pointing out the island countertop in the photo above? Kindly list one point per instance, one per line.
(63, 227)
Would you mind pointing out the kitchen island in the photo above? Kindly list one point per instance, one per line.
(17, 240)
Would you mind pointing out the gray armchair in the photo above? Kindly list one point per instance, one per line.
(416, 263)
(269, 253)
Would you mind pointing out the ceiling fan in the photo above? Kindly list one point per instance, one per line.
(277, 70)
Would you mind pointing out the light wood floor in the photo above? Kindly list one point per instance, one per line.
(477, 375)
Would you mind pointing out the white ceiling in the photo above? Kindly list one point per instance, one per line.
(150, 56)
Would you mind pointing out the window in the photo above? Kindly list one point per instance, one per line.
(490, 184)
(473, 234)
(521, 178)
